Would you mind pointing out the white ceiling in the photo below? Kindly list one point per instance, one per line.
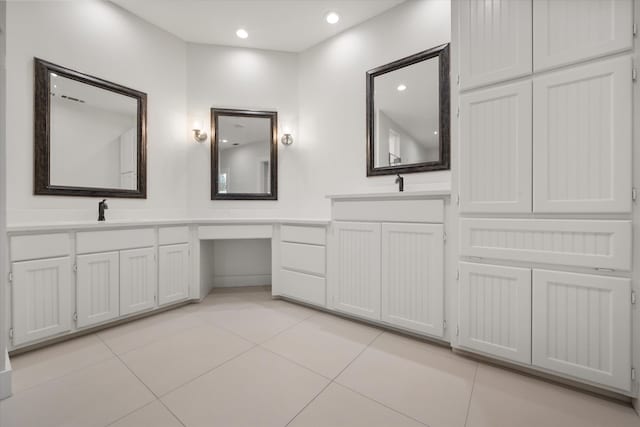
(286, 25)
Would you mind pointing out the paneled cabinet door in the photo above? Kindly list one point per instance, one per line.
(412, 277)
(137, 280)
(495, 153)
(97, 288)
(174, 273)
(354, 249)
(582, 326)
(41, 299)
(495, 41)
(582, 139)
(568, 31)
(495, 310)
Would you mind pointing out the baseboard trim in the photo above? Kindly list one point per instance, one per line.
(241, 281)
(5, 379)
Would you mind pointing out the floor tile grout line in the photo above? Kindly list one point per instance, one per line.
(309, 403)
(294, 362)
(473, 387)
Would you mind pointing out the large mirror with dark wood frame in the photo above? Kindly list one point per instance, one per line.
(90, 135)
(408, 114)
(244, 155)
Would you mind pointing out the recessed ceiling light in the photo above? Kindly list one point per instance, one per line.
(435, 132)
(402, 88)
(54, 75)
(332, 18)
(242, 33)
(224, 141)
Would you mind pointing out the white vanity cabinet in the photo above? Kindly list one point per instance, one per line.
(386, 256)
(173, 264)
(97, 288)
(138, 285)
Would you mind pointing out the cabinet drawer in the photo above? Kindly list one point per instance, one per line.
(403, 210)
(112, 240)
(604, 244)
(173, 235)
(298, 234)
(582, 326)
(304, 287)
(40, 246)
(254, 231)
(306, 258)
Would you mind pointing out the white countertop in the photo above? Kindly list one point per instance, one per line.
(119, 223)
(439, 193)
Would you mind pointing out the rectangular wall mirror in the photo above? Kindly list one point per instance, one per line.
(90, 135)
(244, 155)
(408, 114)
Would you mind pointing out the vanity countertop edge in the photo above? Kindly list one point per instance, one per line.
(424, 194)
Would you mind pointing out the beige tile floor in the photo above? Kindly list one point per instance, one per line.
(240, 358)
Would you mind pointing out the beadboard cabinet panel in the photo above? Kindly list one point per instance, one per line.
(412, 277)
(355, 268)
(137, 280)
(582, 139)
(495, 41)
(41, 299)
(173, 280)
(97, 289)
(582, 326)
(495, 152)
(568, 31)
(495, 310)
(580, 243)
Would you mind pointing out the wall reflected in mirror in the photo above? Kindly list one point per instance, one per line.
(244, 154)
(408, 114)
(93, 136)
(90, 135)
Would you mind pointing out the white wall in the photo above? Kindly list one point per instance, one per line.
(100, 39)
(241, 262)
(332, 130)
(3, 186)
(227, 77)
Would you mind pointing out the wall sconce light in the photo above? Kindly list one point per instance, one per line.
(198, 135)
(286, 139)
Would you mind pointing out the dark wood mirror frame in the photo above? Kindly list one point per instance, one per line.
(273, 158)
(443, 163)
(42, 142)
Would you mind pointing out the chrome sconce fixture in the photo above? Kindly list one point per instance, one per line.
(198, 135)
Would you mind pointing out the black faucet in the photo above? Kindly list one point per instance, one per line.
(400, 182)
(101, 207)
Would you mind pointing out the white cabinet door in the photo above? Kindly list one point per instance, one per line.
(582, 326)
(568, 31)
(354, 252)
(582, 139)
(173, 280)
(412, 277)
(41, 299)
(495, 41)
(97, 288)
(137, 280)
(495, 153)
(495, 310)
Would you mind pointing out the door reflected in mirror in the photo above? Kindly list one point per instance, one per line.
(93, 137)
(408, 114)
(244, 154)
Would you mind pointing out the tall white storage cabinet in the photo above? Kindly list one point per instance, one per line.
(137, 280)
(545, 187)
(97, 288)
(41, 299)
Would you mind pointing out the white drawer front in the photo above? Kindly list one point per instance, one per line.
(582, 326)
(495, 310)
(304, 287)
(40, 246)
(300, 234)
(306, 258)
(111, 240)
(410, 210)
(173, 235)
(596, 244)
(254, 231)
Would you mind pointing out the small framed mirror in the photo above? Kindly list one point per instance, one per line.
(244, 155)
(408, 114)
(90, 135)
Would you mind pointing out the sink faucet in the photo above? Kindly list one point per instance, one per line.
(101, 207)
(400, 182)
